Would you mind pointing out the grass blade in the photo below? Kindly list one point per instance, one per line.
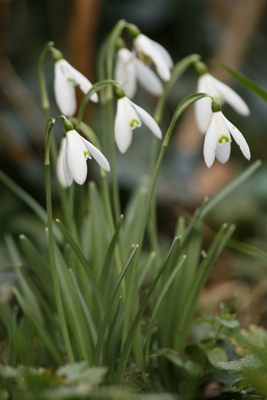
(86, 266)
(99, 345)
(128, 342)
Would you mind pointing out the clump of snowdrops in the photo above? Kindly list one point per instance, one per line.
(82, 304)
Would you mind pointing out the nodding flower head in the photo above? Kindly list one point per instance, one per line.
(221, 93)
(218, 140)
(66, 78)
(129, 70)
(73, 153)
(146, 47)
(128, 117)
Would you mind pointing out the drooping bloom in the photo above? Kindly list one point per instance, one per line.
(218, 140)
(156, 53)
(66, 78)
(128, 117)
(129, 69)
(73, 153)
(221, 93)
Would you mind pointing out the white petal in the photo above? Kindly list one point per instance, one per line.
(165, 54)
(239, 138)
(123, 133)
(203, 111)
(76, 157)
(223, 151)
(133, 118)
(64, 91)
(210, 143)
(148, 79)
(125, 71)
(66, 169)
(148, 121)
(144, 45)
(231, 97)
(206, 82)
(60, 167)
(80, 80)
(96, 154)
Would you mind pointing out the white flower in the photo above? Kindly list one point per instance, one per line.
(218, 140)
(221, 93)
(157, 53)
(128, 117)
(130, 69)
(73, 153)
(66, 78)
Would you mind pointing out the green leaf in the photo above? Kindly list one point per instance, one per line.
(38, 265)
(24, 196)
(81, 372)
(86, 311)
(250, 361)
(192, 367)
(217, 355)
(133, 218)
(4, 395)
(106, 269)
(161, 296)
(99, 345)
(176, 360)
(128, 342)
(73, 308)
(86, 266)
(42, 332)
(99, 235)
(244, 81)
(230, 188)
(197, 285)
(7, 372)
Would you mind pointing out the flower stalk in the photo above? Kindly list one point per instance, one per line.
(63, 324)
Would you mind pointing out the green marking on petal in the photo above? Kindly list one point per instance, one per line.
(87, 155)
(134, 123)
(146, 60)
(223, 138)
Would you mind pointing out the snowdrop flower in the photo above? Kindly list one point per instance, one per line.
(66, 78)
(146, 47)
(129, 69)
(73, 153)
(220, 92)
(218, 139)
(128, 117)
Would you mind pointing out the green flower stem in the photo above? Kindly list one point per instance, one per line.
(152, 227)
(177, 71)
(115, 186)
(111, 48)
(51, 245)
(95, 88)
(42, 82)
(110, 53)
(46, 109)
(183, 105)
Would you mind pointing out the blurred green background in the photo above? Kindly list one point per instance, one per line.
(234, 33)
